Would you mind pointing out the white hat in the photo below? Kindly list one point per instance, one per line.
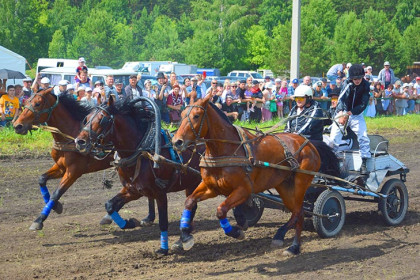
(63, 83)
(302, 91)
(386, 63)
(405, 85)
(82, 59)
(27, 79)
(70, 86)
(269, 85)
(369, 67)
(147, 81)
(45, 80)
(97, 90)
(81, 88)
(88, 89)
(277, 80)
(349, 65)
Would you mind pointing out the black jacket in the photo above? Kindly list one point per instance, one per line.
(307, 123)
(355, 98)
(129, 92)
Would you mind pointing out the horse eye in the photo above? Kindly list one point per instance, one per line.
(196, 117)
(37, 104)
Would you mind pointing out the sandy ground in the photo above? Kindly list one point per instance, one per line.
(74, 246)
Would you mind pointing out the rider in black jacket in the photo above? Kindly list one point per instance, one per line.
(305, 115)
(352, 101)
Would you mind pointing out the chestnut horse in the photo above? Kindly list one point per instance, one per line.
(236, 166)
(66, 114)
(122, 123)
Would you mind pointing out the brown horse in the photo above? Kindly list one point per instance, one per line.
(66, 114)
(122, 123)
(236, 165)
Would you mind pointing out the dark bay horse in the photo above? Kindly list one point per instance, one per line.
(66, 114)
(236, 170)
(122, 124)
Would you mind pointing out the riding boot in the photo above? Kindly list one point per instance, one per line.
(363, 168)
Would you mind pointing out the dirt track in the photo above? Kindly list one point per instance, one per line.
(74, 246)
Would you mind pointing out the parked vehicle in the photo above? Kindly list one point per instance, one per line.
(44, 63)
(245, 74)
(178, 68)
(145, 67)
(266, 72)
(208, 72)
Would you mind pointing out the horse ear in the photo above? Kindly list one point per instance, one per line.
(208, 97)
(110, 100)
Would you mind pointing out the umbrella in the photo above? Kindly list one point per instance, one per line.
(11, 74)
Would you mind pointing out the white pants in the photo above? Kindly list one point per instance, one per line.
(358, 125)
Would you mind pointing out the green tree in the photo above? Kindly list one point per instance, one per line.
(258, 47)
(406, 14)
(409, 46)
(58, 47)
(279, 56)
(23, 28)
(274, 12)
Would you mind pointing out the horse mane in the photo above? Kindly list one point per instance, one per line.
(78, 110)
(130, 109)
(219, 112)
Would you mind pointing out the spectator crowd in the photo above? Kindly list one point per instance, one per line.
(245, 100)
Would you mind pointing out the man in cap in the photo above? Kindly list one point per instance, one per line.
(120, 90)
(368, 74)
(70, 90)
(352, 101)
(88, 98)
(161, 97)
(133, 90)
(27, 83)
(62, 87)
(80, 93)
(99, 84)
(386, 76)
(304, 116)
(320, 96)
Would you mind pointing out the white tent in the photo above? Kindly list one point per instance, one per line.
(12, 61)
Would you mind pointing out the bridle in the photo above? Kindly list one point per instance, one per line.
(107, 126)
(47, 110)
(197, 135)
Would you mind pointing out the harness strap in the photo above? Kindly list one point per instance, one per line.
(65, 146)
(245, 143)
(289, 157)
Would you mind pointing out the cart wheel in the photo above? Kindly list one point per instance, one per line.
(253, 210)
(330, 203)
(394, 207)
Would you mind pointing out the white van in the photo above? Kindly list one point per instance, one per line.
(245, 74)
(65, 73)
(44, 63)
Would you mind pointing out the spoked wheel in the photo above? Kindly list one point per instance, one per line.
(253, 210)
(330, 204)
(394, 207)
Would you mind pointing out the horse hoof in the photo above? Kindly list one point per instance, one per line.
(106, 220)
(58, 207)
(161, 253)
(135, 222)
(177, 246)
(276, 243)
(245, 226)
(241, 235)
(187, 245)
(36, 226)
(145, 223)
(292, 251)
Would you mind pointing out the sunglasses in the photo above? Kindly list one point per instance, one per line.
(234, 86)
(334, 99)
(299, 98)
(214, 83)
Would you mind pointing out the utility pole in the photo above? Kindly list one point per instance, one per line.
(295, 48)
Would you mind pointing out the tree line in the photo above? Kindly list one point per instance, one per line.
(224, 34)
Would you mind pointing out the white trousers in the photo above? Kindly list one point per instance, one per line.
(358, 125)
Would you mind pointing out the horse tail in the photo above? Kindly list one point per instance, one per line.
(329, 161)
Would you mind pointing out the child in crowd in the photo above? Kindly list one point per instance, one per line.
(280, 97)
(370, 110)
(386, 102)
(82, 67)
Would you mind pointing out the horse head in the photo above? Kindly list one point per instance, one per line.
(38, 109)
(193, 124)
(97, 127)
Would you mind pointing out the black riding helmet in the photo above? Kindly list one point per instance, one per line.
(356, 71)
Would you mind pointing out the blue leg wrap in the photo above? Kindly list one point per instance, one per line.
(224, 223)
(164, 240)
(118, 220)
(45, 194)
(47, 208)
(185, 219)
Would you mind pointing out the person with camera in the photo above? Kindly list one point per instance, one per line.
(161, 97)
(353, 100)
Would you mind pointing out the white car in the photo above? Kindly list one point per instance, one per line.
(245, 74)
